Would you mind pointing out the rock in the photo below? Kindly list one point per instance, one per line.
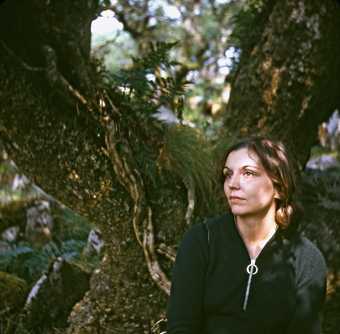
(53, 296)
(95, 243)
(4, 247)
(39, 224)
(323, 162)
(10, 234)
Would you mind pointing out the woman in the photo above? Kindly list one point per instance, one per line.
(243, 273)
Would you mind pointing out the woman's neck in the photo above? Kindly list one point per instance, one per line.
(256, 232)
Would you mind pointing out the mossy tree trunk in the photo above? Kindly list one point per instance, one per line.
(56, 131)
(287, 81)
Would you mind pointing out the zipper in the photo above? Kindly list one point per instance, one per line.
(252, 269)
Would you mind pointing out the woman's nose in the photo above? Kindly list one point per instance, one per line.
(234, 181)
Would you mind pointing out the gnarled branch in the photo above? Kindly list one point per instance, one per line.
(132, 181)
(167, 251)
(151, 259)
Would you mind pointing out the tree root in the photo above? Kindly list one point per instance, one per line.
(132, 181)
(56, 79)
(167, 251)
(149, 251)
(128, 180)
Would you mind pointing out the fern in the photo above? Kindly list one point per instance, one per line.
(24, 262)
(29, 263)
(149, 82)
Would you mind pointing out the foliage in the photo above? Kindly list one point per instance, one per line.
(189, 156)
(184, 151)
(320, 198)
(318, 151)
(28, 263)
(202, 30)
(248, 25)
(13, 293)
(149, 82)
(72, 225)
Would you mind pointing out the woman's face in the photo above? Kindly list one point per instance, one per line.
(247, 186)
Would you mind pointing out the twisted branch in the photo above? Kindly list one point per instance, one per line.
(132, 181)
(149, 251)
(56, 79)
(128, 179)
(167, 251)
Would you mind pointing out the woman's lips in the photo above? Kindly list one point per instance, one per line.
(236, 199)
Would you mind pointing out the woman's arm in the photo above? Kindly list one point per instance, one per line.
(311, 292)
(185, 306)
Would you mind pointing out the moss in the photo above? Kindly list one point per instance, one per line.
(13, 291)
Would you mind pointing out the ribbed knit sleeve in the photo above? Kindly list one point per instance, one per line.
(311, 290)
(185, 305)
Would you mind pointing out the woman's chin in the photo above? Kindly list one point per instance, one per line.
(238, 211)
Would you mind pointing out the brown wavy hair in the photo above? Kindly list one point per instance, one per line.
(276, 161)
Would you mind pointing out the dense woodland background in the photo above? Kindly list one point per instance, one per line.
(110, 144)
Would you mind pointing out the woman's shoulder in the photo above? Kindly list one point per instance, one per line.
(307, 248)
(194, 236)
(200, 232)
(217, 221)
(309, 258)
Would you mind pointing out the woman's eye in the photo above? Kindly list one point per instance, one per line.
(226, 173)
(249, 173)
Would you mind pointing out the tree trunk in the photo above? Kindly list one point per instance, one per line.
(54, 126)
(287, 84)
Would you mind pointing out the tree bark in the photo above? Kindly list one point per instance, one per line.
(287, 84)
(55, 127)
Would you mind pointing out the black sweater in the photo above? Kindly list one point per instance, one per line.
(210, 279)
